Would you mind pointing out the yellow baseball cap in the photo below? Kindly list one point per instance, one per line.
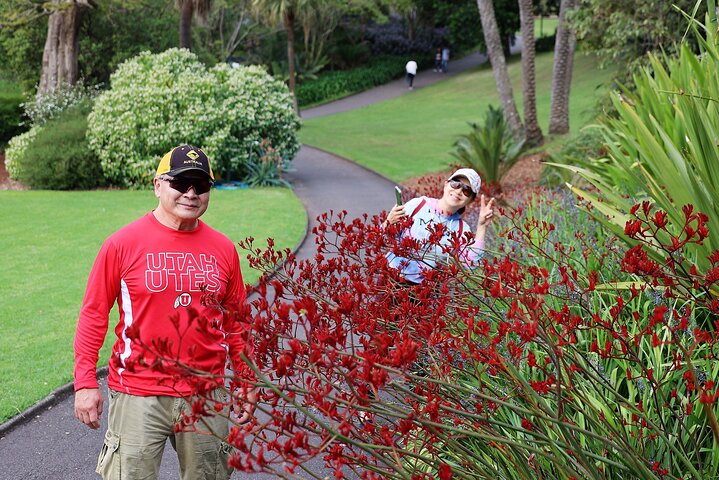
(183, 159)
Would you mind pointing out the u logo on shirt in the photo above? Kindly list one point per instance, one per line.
(183, 300)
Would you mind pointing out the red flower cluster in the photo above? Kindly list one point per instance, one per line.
(542, 344)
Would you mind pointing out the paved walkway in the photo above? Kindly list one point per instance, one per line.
(46, 442)
(394, 88)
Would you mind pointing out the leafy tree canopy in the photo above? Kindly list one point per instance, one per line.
(110, 33)
(461, 17)
(625, 32)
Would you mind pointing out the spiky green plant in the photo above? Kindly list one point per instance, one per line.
(490, 148)
(663, 143)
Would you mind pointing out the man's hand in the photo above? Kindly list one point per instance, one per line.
(88, 406)
(245, 410)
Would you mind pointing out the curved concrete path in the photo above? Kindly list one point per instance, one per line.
(46, 442)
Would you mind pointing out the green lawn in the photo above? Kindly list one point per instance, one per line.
(8, 87)
(412, 135)
(48, 244)
(545, 26)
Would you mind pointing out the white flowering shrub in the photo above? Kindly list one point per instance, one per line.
(15, 151)
(159, 101)
(48, 105)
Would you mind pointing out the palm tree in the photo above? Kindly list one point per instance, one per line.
(285, 11)
(533, 131)
(499, 65)
(59, 59)
(562, 73)
(188, 10)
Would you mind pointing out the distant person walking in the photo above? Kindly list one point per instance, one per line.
(411, 69)
(445, 59)
(437, 60)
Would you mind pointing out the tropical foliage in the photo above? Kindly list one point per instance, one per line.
(265, 168)
(577, 150)
(624, 33)
(661, 145)
(490, 148)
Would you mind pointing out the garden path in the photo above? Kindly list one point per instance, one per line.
(399, 86)
(46, 441)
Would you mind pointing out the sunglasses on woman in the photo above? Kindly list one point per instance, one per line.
(182, 185)
(466, 189)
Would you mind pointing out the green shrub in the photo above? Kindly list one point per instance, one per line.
(21, 50)
(39, 111)
(545, 44)
(10, 115)
(490, 148)
(59, 158)
(158, 101)
(336, 84)
(578, 150)
(266, 167)
(347, 47)
(15, 152)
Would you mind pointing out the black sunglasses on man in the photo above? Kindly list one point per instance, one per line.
(183, 184)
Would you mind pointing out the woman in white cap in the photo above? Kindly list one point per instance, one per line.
(460, 189)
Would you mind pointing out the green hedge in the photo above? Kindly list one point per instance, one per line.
(58, 157)
(545, 44)
(10, 116)
(337, 84)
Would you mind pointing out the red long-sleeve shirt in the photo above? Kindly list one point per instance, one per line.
(156, 275)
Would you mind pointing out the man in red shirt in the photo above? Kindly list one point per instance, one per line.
(156, 269)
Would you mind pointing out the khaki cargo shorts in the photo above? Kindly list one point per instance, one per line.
(139, 427)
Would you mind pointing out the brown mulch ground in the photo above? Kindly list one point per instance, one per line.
(6, 183)
(522, 177)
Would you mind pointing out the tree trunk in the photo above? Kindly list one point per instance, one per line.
(499, 65)
(59, 59)
(289, 20)
(562, 71)
(187, 11)
(533, 131)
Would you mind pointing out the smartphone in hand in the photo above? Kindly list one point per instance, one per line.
(398, 195)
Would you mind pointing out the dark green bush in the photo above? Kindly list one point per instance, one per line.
(21, 50)
(581, 150)
(347, 47)
(59, 158)
(545, 44)
(10, 116)
(336, 84)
